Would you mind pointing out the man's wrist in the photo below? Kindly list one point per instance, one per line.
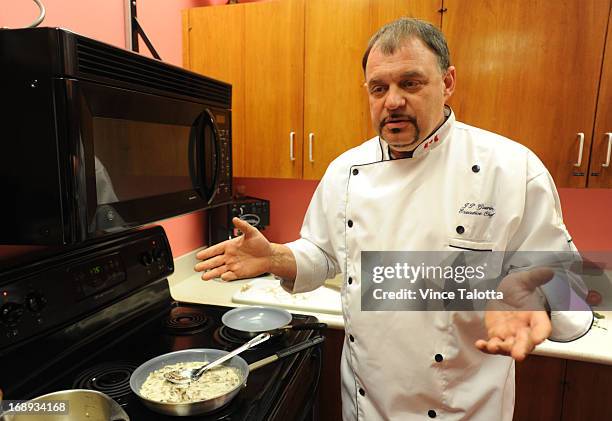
(282, 262)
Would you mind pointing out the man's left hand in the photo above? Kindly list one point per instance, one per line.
(520, 322)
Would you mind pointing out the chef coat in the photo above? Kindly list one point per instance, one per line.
(410, 365)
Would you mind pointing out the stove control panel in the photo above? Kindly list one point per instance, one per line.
(59, 289)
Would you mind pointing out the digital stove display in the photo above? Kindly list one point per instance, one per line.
(99, 275)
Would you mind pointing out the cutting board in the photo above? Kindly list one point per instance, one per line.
(266, 291)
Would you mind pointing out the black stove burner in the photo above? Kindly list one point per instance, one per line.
(186, 321)
(229, 338)
(112, 378)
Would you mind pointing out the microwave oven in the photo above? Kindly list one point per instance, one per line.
(97, 139)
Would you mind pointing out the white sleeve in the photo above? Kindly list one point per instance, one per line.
(570, 325)
(314, 266)
(542, 230)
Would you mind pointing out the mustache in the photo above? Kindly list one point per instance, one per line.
(398, 117)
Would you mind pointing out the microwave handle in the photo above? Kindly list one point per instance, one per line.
(210, 194)
(192, 151)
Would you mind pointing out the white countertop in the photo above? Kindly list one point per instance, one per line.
(187, 286)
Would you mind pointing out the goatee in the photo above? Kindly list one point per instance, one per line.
(400, 117)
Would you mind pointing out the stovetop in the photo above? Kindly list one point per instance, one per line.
(181, 326)
(89, 317)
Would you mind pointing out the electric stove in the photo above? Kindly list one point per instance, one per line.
(87, 317)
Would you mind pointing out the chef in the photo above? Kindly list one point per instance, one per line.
(409, 189)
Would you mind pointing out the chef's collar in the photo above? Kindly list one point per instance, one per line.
(431, 142)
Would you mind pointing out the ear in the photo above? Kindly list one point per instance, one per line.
(449, 82)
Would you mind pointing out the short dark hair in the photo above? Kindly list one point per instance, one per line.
(390, 37)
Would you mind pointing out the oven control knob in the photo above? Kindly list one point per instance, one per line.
(146, 258)
(35, 302)
(10, 313)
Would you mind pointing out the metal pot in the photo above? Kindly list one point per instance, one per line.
(81, 405)
(203, 354)
(248, 322)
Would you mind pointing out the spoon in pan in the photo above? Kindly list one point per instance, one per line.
(190, 375)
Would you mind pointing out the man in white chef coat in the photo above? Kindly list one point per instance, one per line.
(405, 190)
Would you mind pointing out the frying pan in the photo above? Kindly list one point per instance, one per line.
(204, 354)
(248, 322)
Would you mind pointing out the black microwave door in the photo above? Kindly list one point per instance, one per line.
(148, 153)
(205, 156)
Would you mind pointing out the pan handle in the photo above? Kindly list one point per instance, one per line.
(299, 347)
(309, 326)
(286, 352)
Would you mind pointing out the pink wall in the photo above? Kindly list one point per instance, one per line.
(588, 216)
(104, 20)
(288, 203)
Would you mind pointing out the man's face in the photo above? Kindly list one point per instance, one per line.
(407, 91)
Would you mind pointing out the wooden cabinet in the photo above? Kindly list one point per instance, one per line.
(600, 170)
(295, 65)
(532, 71)
(258, 48)
(588, 392)
(274, 68)
(539, 389)
(554, 389)
(335, 107)
(537, 72)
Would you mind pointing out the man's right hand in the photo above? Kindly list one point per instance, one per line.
(241, 257)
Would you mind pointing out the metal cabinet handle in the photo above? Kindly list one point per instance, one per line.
(310, 139)
(607, 164)
(291, 142)
(581, 138)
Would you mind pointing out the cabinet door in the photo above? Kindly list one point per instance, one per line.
(529, 70)
(587, 392)
(336, 114)
(600, 174)
(213, 45)
(274, 68)
(539, 389)
(336, 111)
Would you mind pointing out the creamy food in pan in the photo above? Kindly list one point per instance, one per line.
(215, 382)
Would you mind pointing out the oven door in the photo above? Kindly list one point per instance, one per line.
(147, 157)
